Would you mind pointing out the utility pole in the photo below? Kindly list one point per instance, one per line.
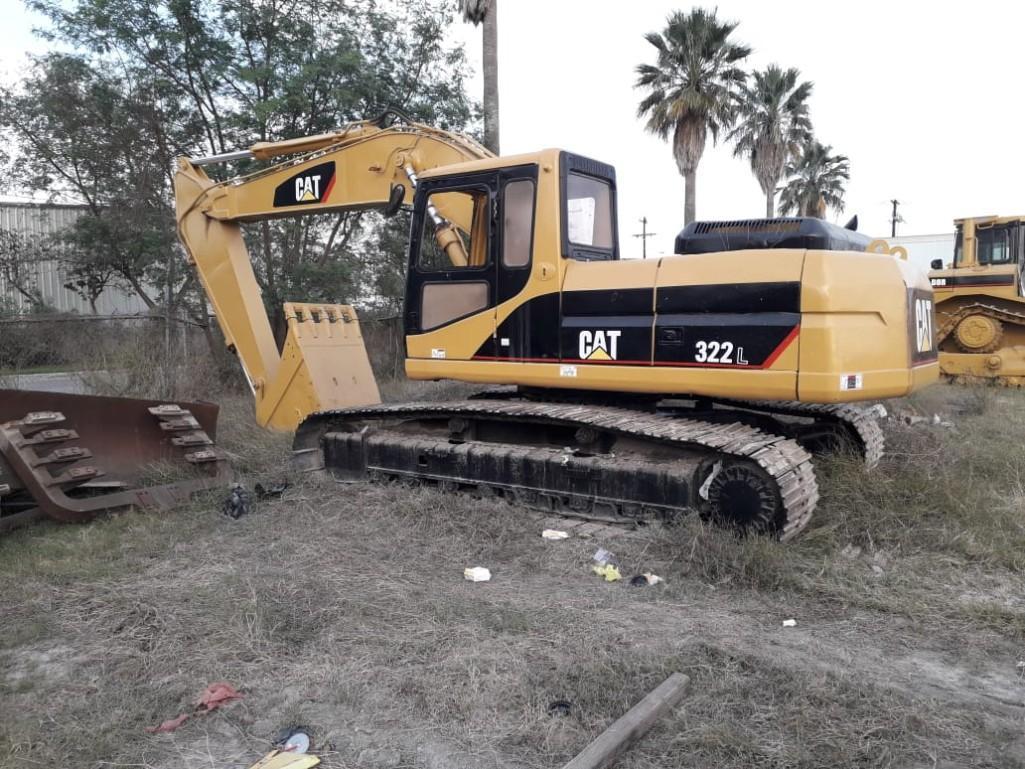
(894, 219)
(644, 235)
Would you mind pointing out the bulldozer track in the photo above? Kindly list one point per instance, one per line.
(951, 319)
(712, 447)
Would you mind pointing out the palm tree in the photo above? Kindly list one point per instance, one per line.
(773, 125)
(816, 182)
(692, 89)
(485, 12)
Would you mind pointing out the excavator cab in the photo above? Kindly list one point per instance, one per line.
(474, 239)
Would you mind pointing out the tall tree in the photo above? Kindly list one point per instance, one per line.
(773, 125)
(485, 13)
(20, 258)
(151, 81)
(816, 182)
(692, 88)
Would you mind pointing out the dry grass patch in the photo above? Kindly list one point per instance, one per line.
(343, 608)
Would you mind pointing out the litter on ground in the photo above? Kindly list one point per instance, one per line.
(169, 725)
(554, 534)
(608, 571)
(212, 697)
(647, 578)
(217, 695)
(477, 574)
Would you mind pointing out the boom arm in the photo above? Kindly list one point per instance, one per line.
(362, 166)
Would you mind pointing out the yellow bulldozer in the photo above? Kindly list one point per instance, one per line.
(612, 388)
(980, 304)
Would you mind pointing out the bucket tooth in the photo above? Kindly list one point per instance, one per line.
(198, 438)
(168, 411)
(61, 456)
(202, 457)
(57, 435)
(37, 418)
(75, 476)
(180, 425)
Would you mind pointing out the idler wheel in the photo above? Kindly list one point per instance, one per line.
(744, 497)
(978, 333)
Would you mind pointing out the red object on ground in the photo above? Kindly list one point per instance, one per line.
(216, 695)
(211, 698)
(168, 726)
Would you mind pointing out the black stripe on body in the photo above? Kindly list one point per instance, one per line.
(730, 297)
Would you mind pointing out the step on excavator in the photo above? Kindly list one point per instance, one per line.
(611, 388)
(980, 302)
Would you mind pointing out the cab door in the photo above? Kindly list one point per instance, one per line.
(451, 288)
(524, 330)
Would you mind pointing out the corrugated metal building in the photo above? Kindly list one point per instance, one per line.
(41, 220)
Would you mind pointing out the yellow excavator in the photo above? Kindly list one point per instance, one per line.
(618, 388)
(980, 302)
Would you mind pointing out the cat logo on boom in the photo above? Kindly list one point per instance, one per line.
(599, 345)
(310, 186)
(307, 189)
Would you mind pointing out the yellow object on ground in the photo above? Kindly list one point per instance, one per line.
(278, 760)
(608, 571)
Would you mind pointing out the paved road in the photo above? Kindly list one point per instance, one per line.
(58, 382)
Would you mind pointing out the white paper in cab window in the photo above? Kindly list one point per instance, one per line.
(580, 212)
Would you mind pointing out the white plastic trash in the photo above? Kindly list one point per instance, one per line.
(790, 623)
(554, 534)
(477, 574)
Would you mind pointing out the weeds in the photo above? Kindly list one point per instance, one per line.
(343, 607)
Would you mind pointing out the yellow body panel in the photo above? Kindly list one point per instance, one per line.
(854, 323)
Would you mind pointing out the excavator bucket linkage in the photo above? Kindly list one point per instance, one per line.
(69, 457)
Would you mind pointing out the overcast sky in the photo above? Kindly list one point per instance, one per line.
(923, 98)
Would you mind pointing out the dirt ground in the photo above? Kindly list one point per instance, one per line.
(343, 609)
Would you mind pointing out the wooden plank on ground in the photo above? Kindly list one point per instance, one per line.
(611, 743)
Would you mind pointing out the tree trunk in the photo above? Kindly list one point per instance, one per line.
(770, 204)
(490, 39)
(690, 199)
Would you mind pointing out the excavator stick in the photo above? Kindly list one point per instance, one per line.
(70, 457)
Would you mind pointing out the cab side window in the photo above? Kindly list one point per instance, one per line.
(589, 211)
(455, 234)
(517, 222)
(994, 245)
